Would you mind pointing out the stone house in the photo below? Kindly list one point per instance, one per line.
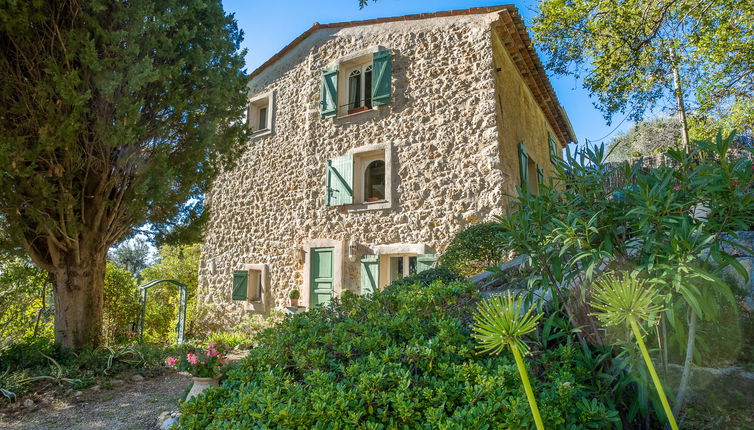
(373, 143)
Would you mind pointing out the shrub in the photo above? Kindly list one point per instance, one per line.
(473, 250)
(25, 301)
(121, 306)
(182, 264)
(401, 358)
(427, 277)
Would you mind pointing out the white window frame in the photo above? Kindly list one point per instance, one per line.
(256, 103)
(362, 156)
(358, 61)
(386, 266)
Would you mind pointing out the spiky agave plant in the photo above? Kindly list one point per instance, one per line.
(628, 300)
(499, 322)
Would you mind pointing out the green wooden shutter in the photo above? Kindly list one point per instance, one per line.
(523, 165)
(540, 175)
(382, 70)
(553, 147)
(328, 105)
(340, 181)
(425, 261)
(370, 274)
(240, 284)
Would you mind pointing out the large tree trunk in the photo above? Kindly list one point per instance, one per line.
(79, 290)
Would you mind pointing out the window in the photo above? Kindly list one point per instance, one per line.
(530, 174)
(359, 94)
(401, 266)
(260, 114)
(374, 181)
(357, 83)
(250, 286)
(362, 178)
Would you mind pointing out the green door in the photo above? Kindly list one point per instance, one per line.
(321, 276)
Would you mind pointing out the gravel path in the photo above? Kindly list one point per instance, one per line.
(128, 406)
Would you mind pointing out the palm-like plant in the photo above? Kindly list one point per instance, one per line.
(629, 300)
(499, 322)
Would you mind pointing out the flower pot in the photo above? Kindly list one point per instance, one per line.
(201, 384)
(294, 303)
(357, 110)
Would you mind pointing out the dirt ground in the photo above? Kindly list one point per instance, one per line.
(128, 405)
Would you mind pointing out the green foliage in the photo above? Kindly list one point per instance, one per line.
(646, 138)
(427, 277)
(25, 301)
(582, 226)
(294, 294)
(626, 49)
(121, 307)
(114, 115)
(179, 262)
(473, 250)
(401, 358)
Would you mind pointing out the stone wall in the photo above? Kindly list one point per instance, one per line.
(447, 162)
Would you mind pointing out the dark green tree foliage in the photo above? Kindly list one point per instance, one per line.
(112, 114)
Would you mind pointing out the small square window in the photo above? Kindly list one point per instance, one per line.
(260, 114)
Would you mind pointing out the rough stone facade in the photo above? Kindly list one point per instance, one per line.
(459, 107)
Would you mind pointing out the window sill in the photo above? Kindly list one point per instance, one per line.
(369, 206)
(356, 114)
(260, 133)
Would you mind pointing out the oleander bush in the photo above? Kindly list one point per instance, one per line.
(401, 358)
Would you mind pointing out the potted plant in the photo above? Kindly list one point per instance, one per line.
(203, 366)
(294, 296)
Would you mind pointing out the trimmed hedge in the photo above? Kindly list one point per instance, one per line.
(402, 358)
(474, 250)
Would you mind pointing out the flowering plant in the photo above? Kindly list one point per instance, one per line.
(200, 363)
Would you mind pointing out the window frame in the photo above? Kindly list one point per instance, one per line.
(360, 60)
(259, 275)
(362, 157)
(255, 106)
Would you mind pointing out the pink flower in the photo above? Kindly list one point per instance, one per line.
(193, 359)
(676, 187)
(171, 361)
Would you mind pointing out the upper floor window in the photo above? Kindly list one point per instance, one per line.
(362, 178)
(356, 84)
(260, 114)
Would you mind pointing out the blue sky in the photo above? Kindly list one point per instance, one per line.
(270, 25)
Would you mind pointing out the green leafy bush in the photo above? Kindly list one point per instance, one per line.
(26, 309)
(182, 264)
(121, 306)
(474, 249)
(402, 358)
(427, 277)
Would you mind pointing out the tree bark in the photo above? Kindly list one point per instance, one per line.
(680, 104)
(79, 290)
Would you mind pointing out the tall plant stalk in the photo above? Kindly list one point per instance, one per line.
(629, 300)
(527, 387)
(651, 367)
(499, 323)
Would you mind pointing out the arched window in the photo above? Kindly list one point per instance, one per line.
(374, 181)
